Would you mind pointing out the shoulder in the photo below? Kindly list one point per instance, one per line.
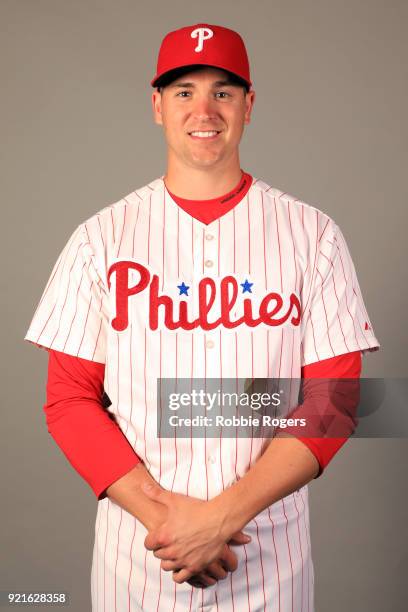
(307, 217)
(114, 212)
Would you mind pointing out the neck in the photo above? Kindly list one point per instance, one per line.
(202, 183)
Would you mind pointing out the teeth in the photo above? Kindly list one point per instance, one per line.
(204, 134)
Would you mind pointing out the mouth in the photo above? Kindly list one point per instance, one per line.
(204, 134)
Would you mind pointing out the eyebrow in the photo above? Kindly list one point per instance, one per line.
(215, 84)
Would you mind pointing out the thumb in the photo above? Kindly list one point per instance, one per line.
(239, 537)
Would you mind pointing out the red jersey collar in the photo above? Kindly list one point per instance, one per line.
(208, 211)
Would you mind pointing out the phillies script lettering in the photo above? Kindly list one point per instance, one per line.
(271, 310)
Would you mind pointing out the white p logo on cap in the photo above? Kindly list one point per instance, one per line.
(202, 34)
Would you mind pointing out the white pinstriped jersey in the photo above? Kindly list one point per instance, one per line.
(114, 297)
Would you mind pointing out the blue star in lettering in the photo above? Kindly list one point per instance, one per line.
(246, 287)
(183, 289)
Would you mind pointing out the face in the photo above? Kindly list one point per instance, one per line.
(203, 116)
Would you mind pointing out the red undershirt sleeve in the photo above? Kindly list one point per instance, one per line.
(346, 366)
(84, 430)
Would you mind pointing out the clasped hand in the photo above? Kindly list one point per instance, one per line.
(191, 542)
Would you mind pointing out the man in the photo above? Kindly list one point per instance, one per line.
(204, 273)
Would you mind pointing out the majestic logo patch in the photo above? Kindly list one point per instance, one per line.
(202, 34)
(271, 309)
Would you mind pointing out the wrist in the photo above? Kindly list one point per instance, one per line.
(228, 519)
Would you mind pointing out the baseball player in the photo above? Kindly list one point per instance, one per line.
(204, 273)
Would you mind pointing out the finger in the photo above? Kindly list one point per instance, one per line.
(170, 565)
(196, 582)
(201, 580)
(165, 553)
(216, 570)
(229, 559)
(182, 575)
(239, 538)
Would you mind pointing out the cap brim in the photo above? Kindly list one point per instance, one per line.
(171, 75)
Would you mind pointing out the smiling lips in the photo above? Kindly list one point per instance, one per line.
(208, 135)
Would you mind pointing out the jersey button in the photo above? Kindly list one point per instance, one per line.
(209, 344)
(209, 237)
(211, 459)
(209, 263)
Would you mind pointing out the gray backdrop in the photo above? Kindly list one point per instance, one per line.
(329, 126)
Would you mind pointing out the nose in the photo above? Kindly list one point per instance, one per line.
(204, 108)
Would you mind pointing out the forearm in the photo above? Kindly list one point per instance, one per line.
(127, 493)
(286, 465)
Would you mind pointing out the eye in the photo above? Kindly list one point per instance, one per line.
(180, 93)
(223, 94)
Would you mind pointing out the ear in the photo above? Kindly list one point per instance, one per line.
(157, 107)
(249, 103)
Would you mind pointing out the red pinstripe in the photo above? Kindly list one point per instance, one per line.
(249, 238)
(191, 436)
(345, 278)
(86, 320)
(219, 245)
(134, 230)
(233, 217)
(117, 372)
(117, 553)
(131, 384)
(276, 556)
(101, 233)
(325, 312)
(160, 588)
(308, 539)
(280, 257)
(123, 229)
(252, 375)
(178, 249)
(192, 240)
(287, 539)
(236, 385)
(163, 238)
(264, 239)
(338, 302)
(104, 554)
(145, 578)
(63, 306)
(314, 338)
(97, 559)
(62, 261)
(260, 558)
(294, 251)
(175, 429)
(131, 563)
(247, 577)
(324, 229)
(148, 233)
(221, 387)
(160, 392)
(314, 263)
(203, 249)
(205, 429)
(300, 545)
(113, 226)
(76, 305)
(145, 397)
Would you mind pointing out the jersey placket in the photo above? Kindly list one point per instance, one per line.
(211, 350)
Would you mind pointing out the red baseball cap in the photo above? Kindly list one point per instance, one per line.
(202, 45)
